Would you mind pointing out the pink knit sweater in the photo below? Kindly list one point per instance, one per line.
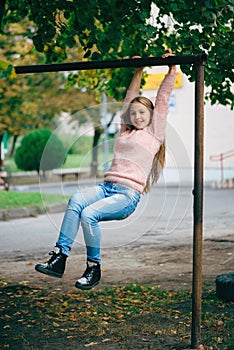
(134, 150)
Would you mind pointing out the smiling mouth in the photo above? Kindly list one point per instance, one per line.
(139, 124)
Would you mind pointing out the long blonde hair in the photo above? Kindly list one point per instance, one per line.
(159, 158)
(157, 167)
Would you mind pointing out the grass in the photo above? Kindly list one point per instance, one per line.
(81, 155)
(128, 317)
(18, 199)
(72, 161)
(77, 161)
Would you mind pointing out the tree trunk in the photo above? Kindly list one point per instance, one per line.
(1, 161)
(15, 137)
(94, 165)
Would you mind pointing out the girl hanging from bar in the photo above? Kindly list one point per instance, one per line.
(139, 154)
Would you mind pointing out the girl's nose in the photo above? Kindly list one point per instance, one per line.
(138, 116)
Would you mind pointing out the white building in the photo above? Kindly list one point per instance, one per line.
(218, 133)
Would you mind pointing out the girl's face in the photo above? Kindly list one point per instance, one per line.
(140, 116)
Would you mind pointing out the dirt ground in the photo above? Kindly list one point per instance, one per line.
(168, 267)
(34, 313)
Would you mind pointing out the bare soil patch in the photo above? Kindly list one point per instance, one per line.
(143, 301)
(169, 266)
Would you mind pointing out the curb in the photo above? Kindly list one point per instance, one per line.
(25, 212)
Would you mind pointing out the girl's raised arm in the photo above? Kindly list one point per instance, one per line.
(162, 102)
(133, 91)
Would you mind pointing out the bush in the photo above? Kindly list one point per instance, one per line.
(40, 150)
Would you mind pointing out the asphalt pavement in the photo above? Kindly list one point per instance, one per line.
(163, 217)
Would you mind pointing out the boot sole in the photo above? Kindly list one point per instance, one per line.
(48, 272)
(79, 286)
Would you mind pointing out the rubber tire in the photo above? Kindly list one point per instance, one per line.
(225, 286)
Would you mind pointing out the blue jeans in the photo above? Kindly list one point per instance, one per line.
(88, 206)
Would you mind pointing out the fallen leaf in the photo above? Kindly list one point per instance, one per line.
(91, 344)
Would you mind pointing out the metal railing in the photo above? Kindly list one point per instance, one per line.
(220, 158)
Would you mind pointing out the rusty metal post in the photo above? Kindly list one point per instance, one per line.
(198, 208)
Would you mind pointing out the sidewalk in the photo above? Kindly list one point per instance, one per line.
(55, 184)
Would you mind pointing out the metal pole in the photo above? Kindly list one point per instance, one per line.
(198, 208)
(119, 63)
(221, 166)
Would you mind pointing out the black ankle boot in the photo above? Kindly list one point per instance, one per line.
(90, 277)
(55, 266)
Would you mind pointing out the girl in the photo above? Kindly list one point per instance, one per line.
(139, 154)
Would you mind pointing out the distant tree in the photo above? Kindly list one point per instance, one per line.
(40, 150)
(32, 101)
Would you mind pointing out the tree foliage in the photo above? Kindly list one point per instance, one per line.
(40, 150)
(32, 101)
(117, 29)
(205, 26)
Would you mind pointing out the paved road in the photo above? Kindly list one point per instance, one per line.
(165, 217)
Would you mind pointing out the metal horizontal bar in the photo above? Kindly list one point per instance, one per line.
(119, 63)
